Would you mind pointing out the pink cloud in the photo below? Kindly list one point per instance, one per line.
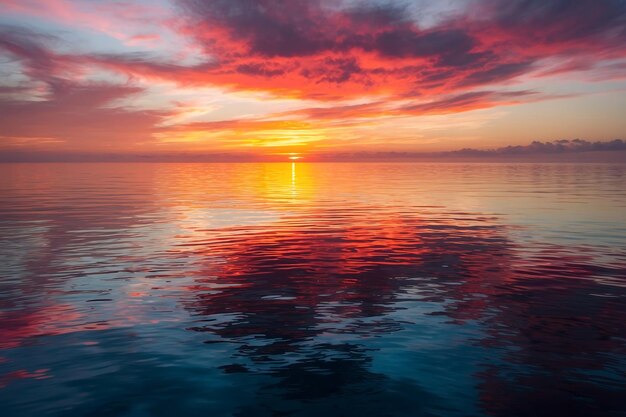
(301, 49)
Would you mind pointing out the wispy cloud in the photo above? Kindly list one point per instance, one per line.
(348, 63)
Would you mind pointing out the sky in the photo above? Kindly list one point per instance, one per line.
(307, 77)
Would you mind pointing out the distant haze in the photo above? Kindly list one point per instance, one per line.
(576, 150)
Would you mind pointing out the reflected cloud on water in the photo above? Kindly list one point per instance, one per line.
(282, 289)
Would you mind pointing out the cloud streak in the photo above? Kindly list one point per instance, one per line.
(349, 64)
(314, 46)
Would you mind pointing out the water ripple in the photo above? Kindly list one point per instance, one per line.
(302, 289)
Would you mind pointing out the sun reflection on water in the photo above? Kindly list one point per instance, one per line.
(359, 288)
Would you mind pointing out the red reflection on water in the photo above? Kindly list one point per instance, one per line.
(285, 283)
(23, 374)
(565, 328)
(298, 281)
(49, 320)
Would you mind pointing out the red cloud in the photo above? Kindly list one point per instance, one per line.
(316, 49)
(310, 49)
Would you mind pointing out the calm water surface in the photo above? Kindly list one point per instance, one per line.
(312, 290)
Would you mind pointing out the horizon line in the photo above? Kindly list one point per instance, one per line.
(565, 150)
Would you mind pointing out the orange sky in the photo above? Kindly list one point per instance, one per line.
(303, 77)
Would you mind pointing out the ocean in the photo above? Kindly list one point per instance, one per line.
(312, 289)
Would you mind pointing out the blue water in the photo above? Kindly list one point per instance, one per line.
(312, 290)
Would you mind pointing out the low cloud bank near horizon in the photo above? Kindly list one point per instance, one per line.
(575, 150)
(582, 150)
(554, 147)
